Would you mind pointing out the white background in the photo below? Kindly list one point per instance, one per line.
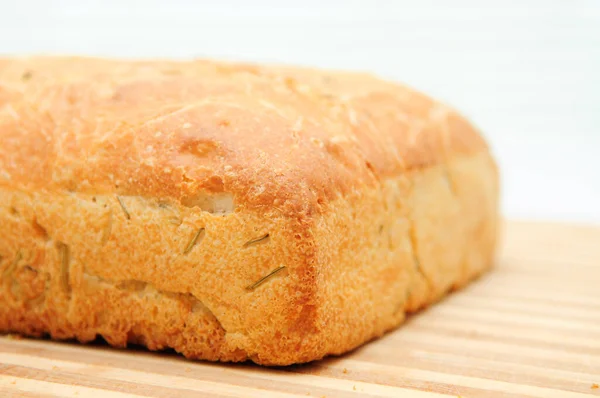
(526, 72)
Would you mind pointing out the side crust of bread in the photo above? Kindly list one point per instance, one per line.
(231, 212)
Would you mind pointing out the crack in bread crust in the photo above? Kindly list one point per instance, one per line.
(145, 290)
(65, 268)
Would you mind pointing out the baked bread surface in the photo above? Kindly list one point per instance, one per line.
(231, 211)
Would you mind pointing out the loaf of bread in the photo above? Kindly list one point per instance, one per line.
(231, 211)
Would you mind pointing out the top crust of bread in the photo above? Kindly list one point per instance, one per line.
(274, 137)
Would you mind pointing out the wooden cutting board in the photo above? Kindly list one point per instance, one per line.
(531, 327)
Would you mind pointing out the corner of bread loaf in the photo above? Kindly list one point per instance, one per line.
(389, 249)
(336, 272)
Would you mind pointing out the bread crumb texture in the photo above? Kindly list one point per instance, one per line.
(231, 211)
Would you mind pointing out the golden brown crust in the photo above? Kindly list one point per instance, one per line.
(271, 136)
(143, 200)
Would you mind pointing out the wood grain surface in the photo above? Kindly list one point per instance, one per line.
(529, 328)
